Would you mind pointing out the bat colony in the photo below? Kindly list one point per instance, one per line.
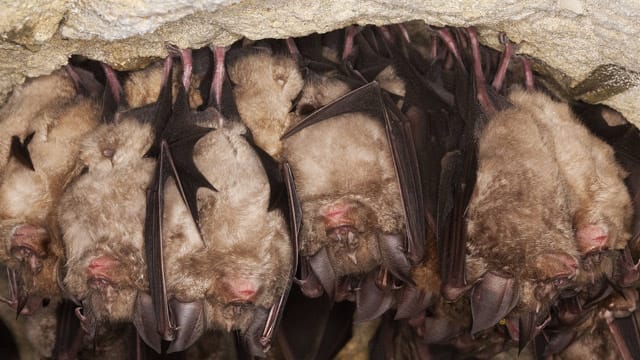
(280, 190)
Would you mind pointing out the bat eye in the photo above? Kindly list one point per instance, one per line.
(306, 109)
(108, 153)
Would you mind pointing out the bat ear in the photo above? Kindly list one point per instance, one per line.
(529, 328)
(371, 301)
(493, 297)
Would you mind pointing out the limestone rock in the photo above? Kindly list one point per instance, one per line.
(572, 37)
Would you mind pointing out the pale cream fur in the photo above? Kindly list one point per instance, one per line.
(25, 104)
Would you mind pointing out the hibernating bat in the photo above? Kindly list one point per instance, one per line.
(45, 120)
(226, 258)
(101, 218)
(547, 192)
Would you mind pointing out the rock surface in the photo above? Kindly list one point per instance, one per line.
(571, 37)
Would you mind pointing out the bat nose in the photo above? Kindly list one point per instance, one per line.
(241, 289)
(344, 233)
(592, 238)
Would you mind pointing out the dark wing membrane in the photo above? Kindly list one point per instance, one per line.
(153, 246)
(20, 151)
(68, 331)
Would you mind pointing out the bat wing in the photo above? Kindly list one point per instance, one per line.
(370, 99)
(20, 151)
(626, 335)
(314, 328)
(491, 300)
(173, 147)
(69, 332)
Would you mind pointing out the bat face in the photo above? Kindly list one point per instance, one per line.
(265, 87)
(243, 260)
(28, 196)
(347, 187)
(101, 217)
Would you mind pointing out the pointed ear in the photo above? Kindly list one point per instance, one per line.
(555, 264)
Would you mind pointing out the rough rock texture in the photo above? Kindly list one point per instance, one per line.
(572, 37)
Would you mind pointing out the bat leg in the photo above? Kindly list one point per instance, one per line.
(187, 63)
(591, 238)
(450, 43)
(492, 298)
(481, 88)
(219, 73)
(29, 244)
(347, 49)
(498, 79)
(528, 74)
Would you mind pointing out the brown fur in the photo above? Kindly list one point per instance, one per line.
(102, 213)
(541, 176)
(265, 86)
(597, 193)
(346, 159)
(142, 87)
(59, 119)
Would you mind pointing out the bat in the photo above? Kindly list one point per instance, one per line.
(44, 142)
(105, 266)
(581, 220)
(216, 239)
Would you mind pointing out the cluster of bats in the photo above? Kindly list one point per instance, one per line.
(280, 190)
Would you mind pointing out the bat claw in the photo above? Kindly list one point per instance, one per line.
(352, 257)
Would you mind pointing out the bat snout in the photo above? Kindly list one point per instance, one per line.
(241, 290)
(345, 234)
(592, 238)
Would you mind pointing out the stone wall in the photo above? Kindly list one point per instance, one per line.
(591, 47)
